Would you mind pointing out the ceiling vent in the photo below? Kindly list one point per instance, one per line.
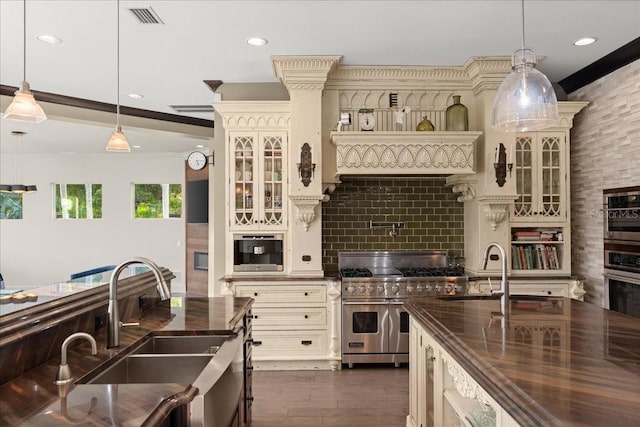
(192, 108)
(146, 16)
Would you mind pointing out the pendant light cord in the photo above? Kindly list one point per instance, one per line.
(118, 73)
(522, 24)
(24, 41)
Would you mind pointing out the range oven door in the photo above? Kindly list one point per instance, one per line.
(398, 328)
(365, 327)
(622, 292)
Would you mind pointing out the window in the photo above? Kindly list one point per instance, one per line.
(10, 206)
(157, 200)
(78, 201)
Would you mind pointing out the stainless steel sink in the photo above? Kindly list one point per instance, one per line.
(141, 368)
(181, 344)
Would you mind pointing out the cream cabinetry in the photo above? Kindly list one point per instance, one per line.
(295, 324)
(257, 199)
(441, 393)
(570, 287)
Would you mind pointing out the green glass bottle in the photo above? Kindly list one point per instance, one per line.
(457, 116)
(425, 125)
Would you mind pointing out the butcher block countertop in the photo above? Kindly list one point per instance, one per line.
(34, 399)
(564, 362)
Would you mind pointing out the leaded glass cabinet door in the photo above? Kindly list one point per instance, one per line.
(523, 207)
(552, 178)
(273, 178)
(243, 213)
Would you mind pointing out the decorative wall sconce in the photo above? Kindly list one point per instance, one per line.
(501, 164)
(306, 168)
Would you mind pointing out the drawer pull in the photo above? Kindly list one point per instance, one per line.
(306, 342)
(306, 316)
(306, 294)
(257, 343)
(255, 294)
(249, 399)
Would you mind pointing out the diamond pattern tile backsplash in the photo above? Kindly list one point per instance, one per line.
(432, 218)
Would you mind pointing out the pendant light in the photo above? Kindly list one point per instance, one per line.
(17, 173)
(525, 100)
(24, 107)
(118, 142)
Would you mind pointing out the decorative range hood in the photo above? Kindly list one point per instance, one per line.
(405, 153)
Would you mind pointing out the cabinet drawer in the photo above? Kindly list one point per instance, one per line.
(551, 289)
(289, 343)
(298, 318)
(283, 294)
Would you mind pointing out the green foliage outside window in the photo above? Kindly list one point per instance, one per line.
(75, 201)
(10, 206)
(150, 198)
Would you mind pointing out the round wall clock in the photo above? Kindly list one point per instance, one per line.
(197, 160)
(367, 119)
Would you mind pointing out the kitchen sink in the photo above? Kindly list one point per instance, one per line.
(147, 368)
(181, 344)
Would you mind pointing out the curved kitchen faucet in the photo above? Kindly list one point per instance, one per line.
(113, 327)
(504, 283)
(64, 372)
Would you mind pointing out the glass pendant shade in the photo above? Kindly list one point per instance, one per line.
(526, 100)
(24, 107)
(118, 142)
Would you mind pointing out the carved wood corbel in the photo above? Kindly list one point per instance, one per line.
(306, 207)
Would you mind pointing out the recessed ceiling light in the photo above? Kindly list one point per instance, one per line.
(47, 38)
(135, 96)
(199, 146)
(257, 41)
(585, 41)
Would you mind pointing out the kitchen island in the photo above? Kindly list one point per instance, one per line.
(553, 362)
(30, 396)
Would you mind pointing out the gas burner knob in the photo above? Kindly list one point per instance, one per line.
(381, 289)
(419, 289)
(361, 289)
(409, 288)
(438, 288)
(351, 289)
(448, 288)
(395, 289)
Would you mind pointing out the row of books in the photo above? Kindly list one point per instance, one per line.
(534, 257)
(535, 235)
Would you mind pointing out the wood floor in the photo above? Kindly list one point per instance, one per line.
(365, 396)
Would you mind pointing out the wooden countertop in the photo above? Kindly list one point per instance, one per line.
(33, 398)
(564, 363)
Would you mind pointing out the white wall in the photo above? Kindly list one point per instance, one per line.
(605, 153)
(39, 250)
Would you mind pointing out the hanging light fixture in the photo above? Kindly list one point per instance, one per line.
(525, 100)
(24, 107)
(118, 142)
(17, 176)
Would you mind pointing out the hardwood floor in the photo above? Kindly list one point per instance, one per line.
(365, 396)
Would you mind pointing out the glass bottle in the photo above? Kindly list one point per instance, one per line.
(457, 116)
(425, 125)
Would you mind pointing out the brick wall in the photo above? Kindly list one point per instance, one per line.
(605, 153)
(432, 217)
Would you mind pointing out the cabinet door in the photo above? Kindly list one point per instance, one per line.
(258, 181)
(540, 173)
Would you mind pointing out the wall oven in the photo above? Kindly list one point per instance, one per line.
(622, 276)
(257, 252)
(622, 213)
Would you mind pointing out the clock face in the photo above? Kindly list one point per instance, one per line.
(197, 160)
(367, 120)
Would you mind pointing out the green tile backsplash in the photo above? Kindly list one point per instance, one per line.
(431, 216)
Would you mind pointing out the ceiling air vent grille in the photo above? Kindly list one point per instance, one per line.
(192, 108)
(146, 16)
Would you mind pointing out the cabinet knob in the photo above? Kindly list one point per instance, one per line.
(255, 316)
(548, 292)
(306, 316)
(306, 294)
(249, 399)
(255, 294)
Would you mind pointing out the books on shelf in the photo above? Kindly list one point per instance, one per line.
(536, 235)
(535, 257)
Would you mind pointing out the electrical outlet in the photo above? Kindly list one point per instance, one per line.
(100, 321)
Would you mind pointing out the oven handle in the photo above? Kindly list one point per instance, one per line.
(363, 302)
(633, 278)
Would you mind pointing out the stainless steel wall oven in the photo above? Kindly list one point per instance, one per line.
(622, 213)
(375, 327)
(622, 277)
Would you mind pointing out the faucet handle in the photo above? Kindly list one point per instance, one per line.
(122, 324)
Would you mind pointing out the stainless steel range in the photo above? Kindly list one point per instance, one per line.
(375, 328)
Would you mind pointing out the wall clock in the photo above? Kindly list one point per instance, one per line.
(197, 160)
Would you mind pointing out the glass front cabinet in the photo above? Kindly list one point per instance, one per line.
(541, 177)
(258, 181)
